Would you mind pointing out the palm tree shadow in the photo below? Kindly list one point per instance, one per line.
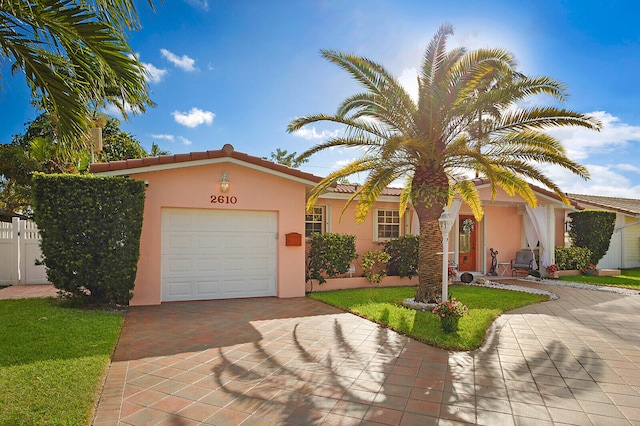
(305, 388)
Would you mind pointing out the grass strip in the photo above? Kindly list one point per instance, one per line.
(52, 361)
(383, 306)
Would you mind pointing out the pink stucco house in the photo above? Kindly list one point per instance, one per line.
(225, 224)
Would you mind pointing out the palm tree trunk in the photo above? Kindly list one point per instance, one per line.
(430, 195)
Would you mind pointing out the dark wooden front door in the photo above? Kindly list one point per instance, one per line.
(467, 243)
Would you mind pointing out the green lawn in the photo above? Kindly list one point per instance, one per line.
(629, 278)
(382, 305)
(52, 361)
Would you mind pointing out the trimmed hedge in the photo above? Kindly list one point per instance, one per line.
(404, 256)
(572, 258)
(90, 229)
(330, 255)
(592, 229)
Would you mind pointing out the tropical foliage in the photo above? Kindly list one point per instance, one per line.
(75, 58)
(467, 120)
(37, 150)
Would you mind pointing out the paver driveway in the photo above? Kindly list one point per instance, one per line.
(297, 361)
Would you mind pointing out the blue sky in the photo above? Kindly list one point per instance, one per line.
(239, 71)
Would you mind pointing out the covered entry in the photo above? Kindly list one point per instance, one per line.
(218, 254)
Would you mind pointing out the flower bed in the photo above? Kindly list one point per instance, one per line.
(359, 282)
(564, 273)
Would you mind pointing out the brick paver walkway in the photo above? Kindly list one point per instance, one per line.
(297, 361)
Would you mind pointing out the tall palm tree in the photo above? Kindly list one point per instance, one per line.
(467, 120)
(74, 56)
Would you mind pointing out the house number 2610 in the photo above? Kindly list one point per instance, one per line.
(223, 199)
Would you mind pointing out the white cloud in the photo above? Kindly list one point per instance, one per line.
(603, 181)
(312, 133)
(185, 141)
(628, 168)
(114, 111)
(194, 117)
(198, 4)
(409, 80)
(184, 62)
(166, 137)
(153, 74)
(582, 143)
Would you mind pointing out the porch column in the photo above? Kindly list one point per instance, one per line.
(551, 233)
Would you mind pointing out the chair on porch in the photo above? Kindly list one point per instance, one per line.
(523, 262)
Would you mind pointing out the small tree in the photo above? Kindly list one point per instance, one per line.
(90, 231)
(592, 229)
(282, 156)
(374, 266)
(403, 253)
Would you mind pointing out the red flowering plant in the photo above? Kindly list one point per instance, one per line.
(452, 272)
(451, 307)
(589, 270)
(449, 312)
(552, 268)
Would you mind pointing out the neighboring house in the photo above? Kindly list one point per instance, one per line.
(624, 248)
(199, 242)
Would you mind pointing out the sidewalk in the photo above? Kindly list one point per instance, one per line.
(28, 291)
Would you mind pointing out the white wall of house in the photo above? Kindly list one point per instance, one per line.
(631, 243)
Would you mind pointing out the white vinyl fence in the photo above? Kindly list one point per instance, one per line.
(19, 250)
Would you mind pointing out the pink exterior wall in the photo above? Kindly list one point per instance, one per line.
(364, 231)
(504, 232)
(192, 188)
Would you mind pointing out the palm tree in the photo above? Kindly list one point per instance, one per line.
(156, 151)
(466, 120)
(74, 56)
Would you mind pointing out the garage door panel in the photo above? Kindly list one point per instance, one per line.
(214, 254)
(208, 287)
(178, 289)
(177, 265)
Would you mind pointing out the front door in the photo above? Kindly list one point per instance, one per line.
(467, 247)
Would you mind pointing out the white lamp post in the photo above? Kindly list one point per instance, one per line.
(445, 223)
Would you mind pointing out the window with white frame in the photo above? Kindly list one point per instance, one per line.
(387, 224)
(314, 221)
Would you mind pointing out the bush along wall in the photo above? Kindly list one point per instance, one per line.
(330, 255)
(90, 229)
(404, 256)
(592, 229)
(568, 258)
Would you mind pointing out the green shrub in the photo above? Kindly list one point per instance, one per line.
(404, 256)
(374, 265)
(592, 229)
(572, 258)
(330, 255)
(90, 229)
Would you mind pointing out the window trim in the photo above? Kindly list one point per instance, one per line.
(323, 221)
(376, 235)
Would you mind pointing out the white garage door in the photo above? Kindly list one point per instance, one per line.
(218, 254)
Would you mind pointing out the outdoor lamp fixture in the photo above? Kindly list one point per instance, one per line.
(224, 183)
(445, 223)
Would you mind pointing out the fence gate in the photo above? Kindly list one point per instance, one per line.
(19, 250)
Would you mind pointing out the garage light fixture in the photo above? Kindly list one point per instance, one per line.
(224, 183)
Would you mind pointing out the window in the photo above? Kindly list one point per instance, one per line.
(388, 224)
(314, 221)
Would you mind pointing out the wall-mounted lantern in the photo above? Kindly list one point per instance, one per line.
(224, 183)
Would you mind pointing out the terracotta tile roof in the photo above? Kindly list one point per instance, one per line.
(628, 206)
(226, 151)
(350, 188)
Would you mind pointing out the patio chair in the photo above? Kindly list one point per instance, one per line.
(523, 262)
